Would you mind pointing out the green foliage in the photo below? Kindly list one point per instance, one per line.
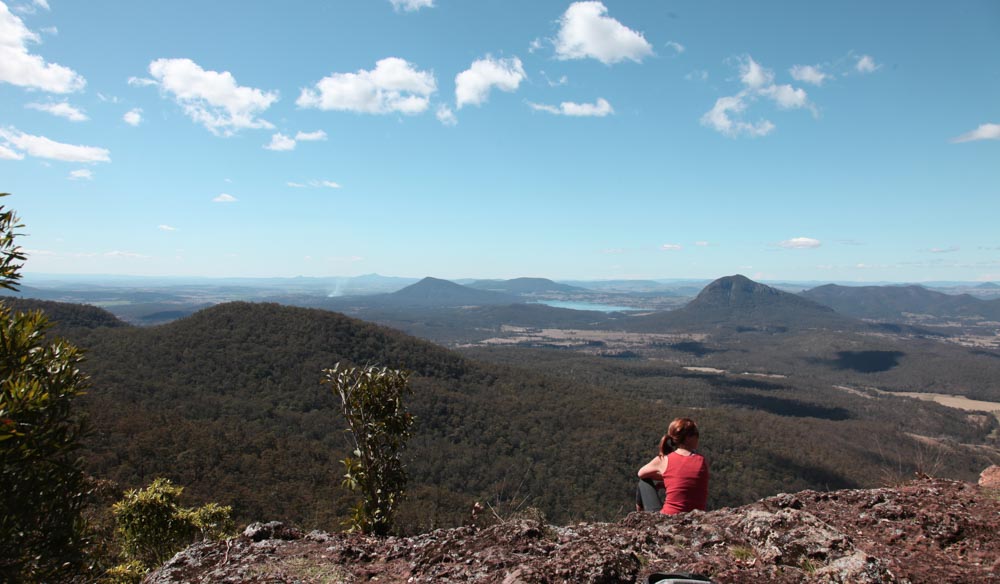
(153, 526)
(130, 572)
(372, 403)
(11, 255)
(226, 403)
(41, 481)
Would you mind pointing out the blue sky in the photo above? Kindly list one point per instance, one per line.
(505, 138)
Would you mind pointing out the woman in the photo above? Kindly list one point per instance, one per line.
(684, 472)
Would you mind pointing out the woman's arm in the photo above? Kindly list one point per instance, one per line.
(654, 468)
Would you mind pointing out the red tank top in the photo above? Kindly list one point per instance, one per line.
(686, 479)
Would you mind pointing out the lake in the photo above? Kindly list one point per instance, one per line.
(586, 306)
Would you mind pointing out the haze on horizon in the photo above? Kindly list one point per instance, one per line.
(565, 140)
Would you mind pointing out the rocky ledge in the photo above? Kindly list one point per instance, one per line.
(929, 530)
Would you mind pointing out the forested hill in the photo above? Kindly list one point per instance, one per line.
(526, 286)
(737, 301)
(64, 316)
(228, 403)
(892, 303)
(437, 292)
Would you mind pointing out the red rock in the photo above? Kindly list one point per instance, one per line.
(990, 478)
(930, 530)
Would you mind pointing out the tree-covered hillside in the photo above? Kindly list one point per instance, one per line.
(228, 402)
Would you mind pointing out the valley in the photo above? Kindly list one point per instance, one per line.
(227, 402)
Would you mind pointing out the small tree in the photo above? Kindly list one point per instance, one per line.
(153, 526)
(41, 480)
(372, 402)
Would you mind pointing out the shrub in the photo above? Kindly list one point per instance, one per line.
(372, 402)
(153, 526)
(41, 480)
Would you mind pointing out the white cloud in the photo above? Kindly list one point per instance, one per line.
(983, 132)
(698, 75)
(411, 5)
(81, 174)
(720, 119)
(757, 81)
(587, 31)
(598, 109)
(166, 228)
(61, 109)
(42, 3)
(140, 81)
(446, 116)
(702, 243)
(555, 82)
(315, 184)
(52, 30)
(8, 154)
(349, 259)
(473, 85)
(126, 255)
(133, 117)
(786, 96)
(671, 247)
(811, 74)
(21, 68)
(534, 45)
(394, 85)
(310, 136)
(280, 143)
(866, 64)
(753, 75)
(800, 243)
(949, 249)
(211, 98)
(676, 47)
(42, 147)
(225, 198)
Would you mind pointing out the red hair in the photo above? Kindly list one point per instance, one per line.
(681, 429)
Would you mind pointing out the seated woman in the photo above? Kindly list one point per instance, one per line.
(683, 472)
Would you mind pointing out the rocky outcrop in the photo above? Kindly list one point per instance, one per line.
(931, 530)
(990, 478)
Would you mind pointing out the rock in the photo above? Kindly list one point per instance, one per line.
(271, 530)
(990, 478)
(930, 530)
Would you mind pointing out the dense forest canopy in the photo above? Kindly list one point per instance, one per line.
(228, 402)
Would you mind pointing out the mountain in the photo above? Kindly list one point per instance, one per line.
(227, 402)
(437, 292)
(893, 303)
(989, 286)
(65, 316)
(526, 286)
(739, 302)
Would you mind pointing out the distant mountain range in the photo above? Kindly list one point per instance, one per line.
(893, 303)
(526, 286)
(430, 293)
(737, 301)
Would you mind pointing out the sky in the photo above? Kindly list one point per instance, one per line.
(837, 141)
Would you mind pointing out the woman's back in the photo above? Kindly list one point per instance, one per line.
(686, 480)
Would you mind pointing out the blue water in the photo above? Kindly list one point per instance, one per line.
(586, 306)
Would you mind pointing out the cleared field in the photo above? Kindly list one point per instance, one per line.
(954, 401)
